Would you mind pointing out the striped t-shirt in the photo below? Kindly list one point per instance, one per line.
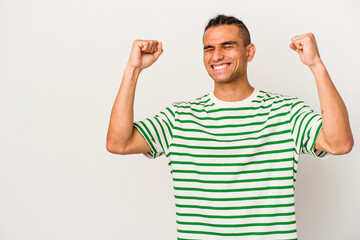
(234, 164)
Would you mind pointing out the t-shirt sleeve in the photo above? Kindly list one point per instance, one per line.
(305, 127)
(158, 131)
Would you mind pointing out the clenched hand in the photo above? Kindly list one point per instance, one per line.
(144, 53)
(305, 45)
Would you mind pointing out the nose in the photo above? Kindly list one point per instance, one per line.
(217, 54)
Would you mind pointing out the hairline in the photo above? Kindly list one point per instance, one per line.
(239, 27)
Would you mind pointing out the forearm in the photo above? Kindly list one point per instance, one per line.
(336, 126)
(122, 114)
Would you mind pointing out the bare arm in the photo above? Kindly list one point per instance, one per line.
(122, 137)
(336, 136)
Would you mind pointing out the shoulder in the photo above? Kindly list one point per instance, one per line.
(293, 104)
(274, 97)
(199, 102)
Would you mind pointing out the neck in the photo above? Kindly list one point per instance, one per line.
(233, 91)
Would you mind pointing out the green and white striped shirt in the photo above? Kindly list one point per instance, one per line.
(234, 164)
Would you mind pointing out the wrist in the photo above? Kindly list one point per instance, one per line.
(131, 69)
(317, 65)
(319, 71)
(131, 73)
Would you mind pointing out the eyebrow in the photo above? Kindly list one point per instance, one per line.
(222, 44)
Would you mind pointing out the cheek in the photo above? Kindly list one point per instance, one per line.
(239, 60)
(206, 59)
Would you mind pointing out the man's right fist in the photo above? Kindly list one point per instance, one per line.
(144, 53)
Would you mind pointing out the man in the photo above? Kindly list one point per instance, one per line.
(233, 153)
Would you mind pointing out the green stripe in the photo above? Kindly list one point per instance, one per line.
(235, 216)
(232, 134)
(232, 155)
(231, 181)
(235, 199)
(231, 109)
(300, 131)
(189, 105)
(147, 130)
(296, 115)
(233, 190)
(235, 140)
(236, 225)
(164, 134)
(231, 164)
(231, 125)
(187, 239)
(199, 101)
(233, 173)
(236, 116)
(293, 106)
(306, 128)
(262, 91)
(237, 234)
(142, 132)
(308, 138)
(157, 134)
(171, 112)
(286, 98)
(315, 137)
(235, 207)
(224, 117)
(232, 147)
(167, 124)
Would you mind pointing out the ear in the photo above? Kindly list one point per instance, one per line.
(250, 52)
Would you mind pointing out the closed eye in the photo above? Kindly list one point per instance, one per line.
(228, 46)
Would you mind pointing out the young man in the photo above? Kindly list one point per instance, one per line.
(233, 153)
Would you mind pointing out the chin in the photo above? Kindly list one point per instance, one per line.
(221, 80)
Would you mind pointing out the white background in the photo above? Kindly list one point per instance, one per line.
(61, 64)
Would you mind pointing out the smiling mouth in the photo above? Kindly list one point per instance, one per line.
(220, 67)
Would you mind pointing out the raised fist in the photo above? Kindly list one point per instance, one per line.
(305, 45)
(144, 53)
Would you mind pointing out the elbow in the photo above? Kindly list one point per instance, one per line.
(348, 147)
(109, 147)
(343, 148)
(115, 148)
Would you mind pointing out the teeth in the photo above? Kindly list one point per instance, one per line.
(220, 66)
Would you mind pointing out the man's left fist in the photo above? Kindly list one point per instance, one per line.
(305, 45)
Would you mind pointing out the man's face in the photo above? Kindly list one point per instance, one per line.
(225, 56)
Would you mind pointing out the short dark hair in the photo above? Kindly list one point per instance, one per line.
(230, 20)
